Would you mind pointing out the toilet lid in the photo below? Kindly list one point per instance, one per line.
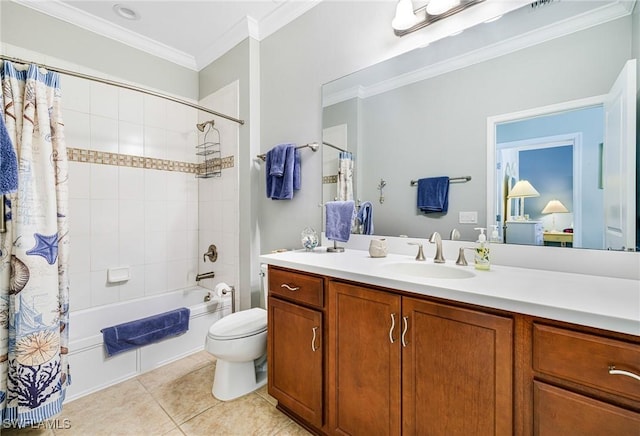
(240, 324)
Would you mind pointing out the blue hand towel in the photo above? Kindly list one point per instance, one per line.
(365, 215)
(277, 157)
(339, 218)
(280, 185)
(433, 194)
(123, 337)
(8, 162)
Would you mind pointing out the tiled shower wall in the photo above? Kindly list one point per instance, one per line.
(145, 219)
(141, 217)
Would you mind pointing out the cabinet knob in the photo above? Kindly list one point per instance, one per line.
(614, 371)
(313, 341)
(295, 288)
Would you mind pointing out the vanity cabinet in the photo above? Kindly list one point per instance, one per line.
(577, 388)
(348, 358)
(295, 343)
(364, 360)
(403, 365)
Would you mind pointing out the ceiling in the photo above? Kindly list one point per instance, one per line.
(188, 33)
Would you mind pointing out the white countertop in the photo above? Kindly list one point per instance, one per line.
(596, 301)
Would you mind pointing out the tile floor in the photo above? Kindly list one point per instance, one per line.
(172, 400)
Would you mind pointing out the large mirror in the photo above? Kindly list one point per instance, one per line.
(521, 99)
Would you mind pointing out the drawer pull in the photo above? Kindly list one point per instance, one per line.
(404, 331)
(295, 288)
(393, 325)
(614, 371)
(313, 341)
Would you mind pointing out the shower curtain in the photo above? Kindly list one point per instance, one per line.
(34, 290)
(345, 176)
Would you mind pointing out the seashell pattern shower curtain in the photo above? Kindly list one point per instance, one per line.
(34, 289)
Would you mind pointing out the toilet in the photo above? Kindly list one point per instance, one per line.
(239, 342)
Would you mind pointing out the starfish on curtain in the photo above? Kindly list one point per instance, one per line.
(46, 246)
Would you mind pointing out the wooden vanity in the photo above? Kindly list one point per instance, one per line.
(347, 357)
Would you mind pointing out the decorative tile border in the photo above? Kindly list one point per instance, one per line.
(127, 160)
(326, 180)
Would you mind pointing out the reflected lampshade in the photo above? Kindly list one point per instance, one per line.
(555, 206)
(523, 189)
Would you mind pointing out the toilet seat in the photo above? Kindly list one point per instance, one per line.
(240, 325)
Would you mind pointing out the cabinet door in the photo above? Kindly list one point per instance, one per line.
(560, 412)
(457, 371)
(364, 361)
(295, 359)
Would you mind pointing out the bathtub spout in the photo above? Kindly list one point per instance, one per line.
(208, 275)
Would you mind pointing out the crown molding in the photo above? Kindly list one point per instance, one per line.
(565, 27)
(247, 27)
(283, 15)
(236, 34)
(79, 18)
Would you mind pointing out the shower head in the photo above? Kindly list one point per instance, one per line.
(201, 126)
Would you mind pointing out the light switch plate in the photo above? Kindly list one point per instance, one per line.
(468, 217)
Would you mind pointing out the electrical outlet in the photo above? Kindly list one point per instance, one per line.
(468, 217)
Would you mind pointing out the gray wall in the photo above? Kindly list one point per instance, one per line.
(41, 33)
(242, 63)
(437, 127)
(331, 40)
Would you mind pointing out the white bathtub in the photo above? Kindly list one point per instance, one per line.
(91, 369)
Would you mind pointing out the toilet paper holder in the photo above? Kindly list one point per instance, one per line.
(224, 289)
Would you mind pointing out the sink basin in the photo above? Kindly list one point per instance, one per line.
(431, 270)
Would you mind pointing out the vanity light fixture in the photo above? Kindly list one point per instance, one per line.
(408, 20)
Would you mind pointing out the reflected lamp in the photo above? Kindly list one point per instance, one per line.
(522, 189)
(553, 207)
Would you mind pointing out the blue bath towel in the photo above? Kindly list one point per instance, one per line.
(365, 215)
(124, 337)
(433, 194)
(8, 162)
(339, 218)
(283, 172)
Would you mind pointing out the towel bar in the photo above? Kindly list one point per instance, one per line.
(452, 179)
(313, 146)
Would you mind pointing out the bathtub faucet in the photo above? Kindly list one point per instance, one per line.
(208, 275)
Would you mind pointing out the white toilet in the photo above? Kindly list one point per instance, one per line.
(239, 342)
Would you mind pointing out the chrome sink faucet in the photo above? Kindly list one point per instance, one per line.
(437, 239)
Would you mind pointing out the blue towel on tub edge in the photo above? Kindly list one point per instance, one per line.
(134, 334)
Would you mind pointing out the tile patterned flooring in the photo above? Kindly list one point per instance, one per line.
(172, 400)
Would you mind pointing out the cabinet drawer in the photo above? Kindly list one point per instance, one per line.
(298, 287)
(586, 359)
(560, 412)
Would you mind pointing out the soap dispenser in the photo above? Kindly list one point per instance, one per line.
(495, 235)
(482, 251)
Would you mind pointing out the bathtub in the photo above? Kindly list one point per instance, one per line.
(90, 367)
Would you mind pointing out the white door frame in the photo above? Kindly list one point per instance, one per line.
(568, 139)
(492, 123)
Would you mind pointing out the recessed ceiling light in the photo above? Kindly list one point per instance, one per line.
(126, 12)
